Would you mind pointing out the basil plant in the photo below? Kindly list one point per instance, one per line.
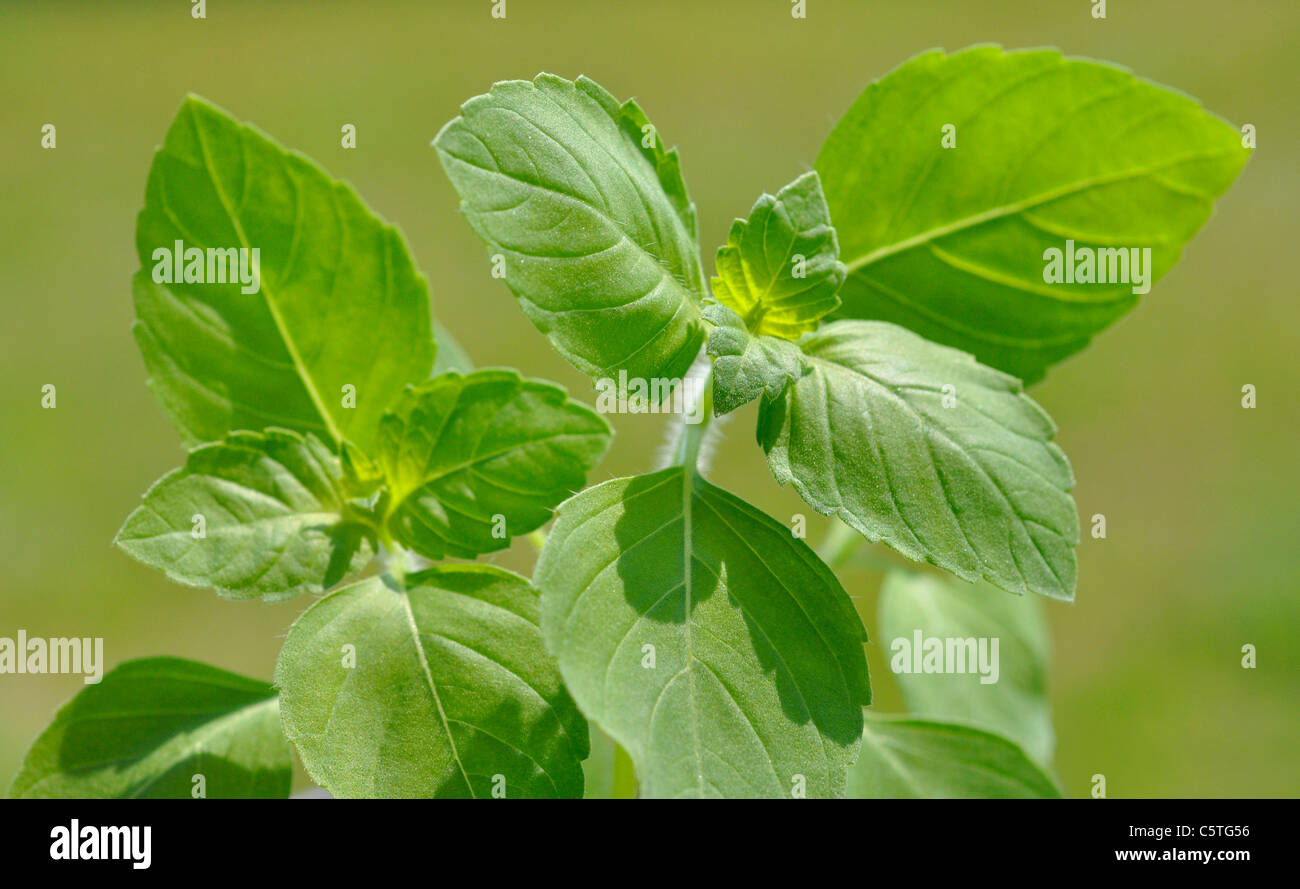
(972, 219)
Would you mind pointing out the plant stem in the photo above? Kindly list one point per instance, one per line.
(394, 560)
(691, 435)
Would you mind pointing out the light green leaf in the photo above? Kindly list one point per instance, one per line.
(592, 218)
(950, 241)
(706, 639)
(259, 515)
(444, 690)
(340, 302)
(917, 759)
(451, 354)
(1014, 704)
(150, 726)
(916, 444)
(746, 365)
(780, 268)
(474, 460)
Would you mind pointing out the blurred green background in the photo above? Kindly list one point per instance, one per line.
(1200, 495)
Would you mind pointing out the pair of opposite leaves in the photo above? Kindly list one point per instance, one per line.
(599, 238)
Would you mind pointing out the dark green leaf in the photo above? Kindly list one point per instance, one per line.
(151, 726)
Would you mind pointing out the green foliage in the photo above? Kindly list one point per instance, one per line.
(592, 218)
(271, 508)
(458, 451)
(1016, 705)
(780, 268)
(297, 491)
(711, 649)
(942, 458)
(950, 241)
(914, 758)
(747, 365)
(150, 726)
(439, 689)
(715, 647)
(340, 301)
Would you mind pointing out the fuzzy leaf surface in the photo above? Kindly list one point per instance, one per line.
(706, 639)
(918, 445)
(592, 217)
(747, 365)
(272, 508)
(444, 690)
(474, 460)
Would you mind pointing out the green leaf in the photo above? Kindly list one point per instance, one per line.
(745, 365)
(950, 241)
(340, 302)
(1015, 703)
(780, 268)
(706, 639)
(443, 690)
(474, 460)
(976, 488)
(596, 228)
(451, 354)
(272, 519)
(150, 726)
(916, 759)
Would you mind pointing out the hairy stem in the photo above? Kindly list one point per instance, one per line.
(393, 559)
(691, 436)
